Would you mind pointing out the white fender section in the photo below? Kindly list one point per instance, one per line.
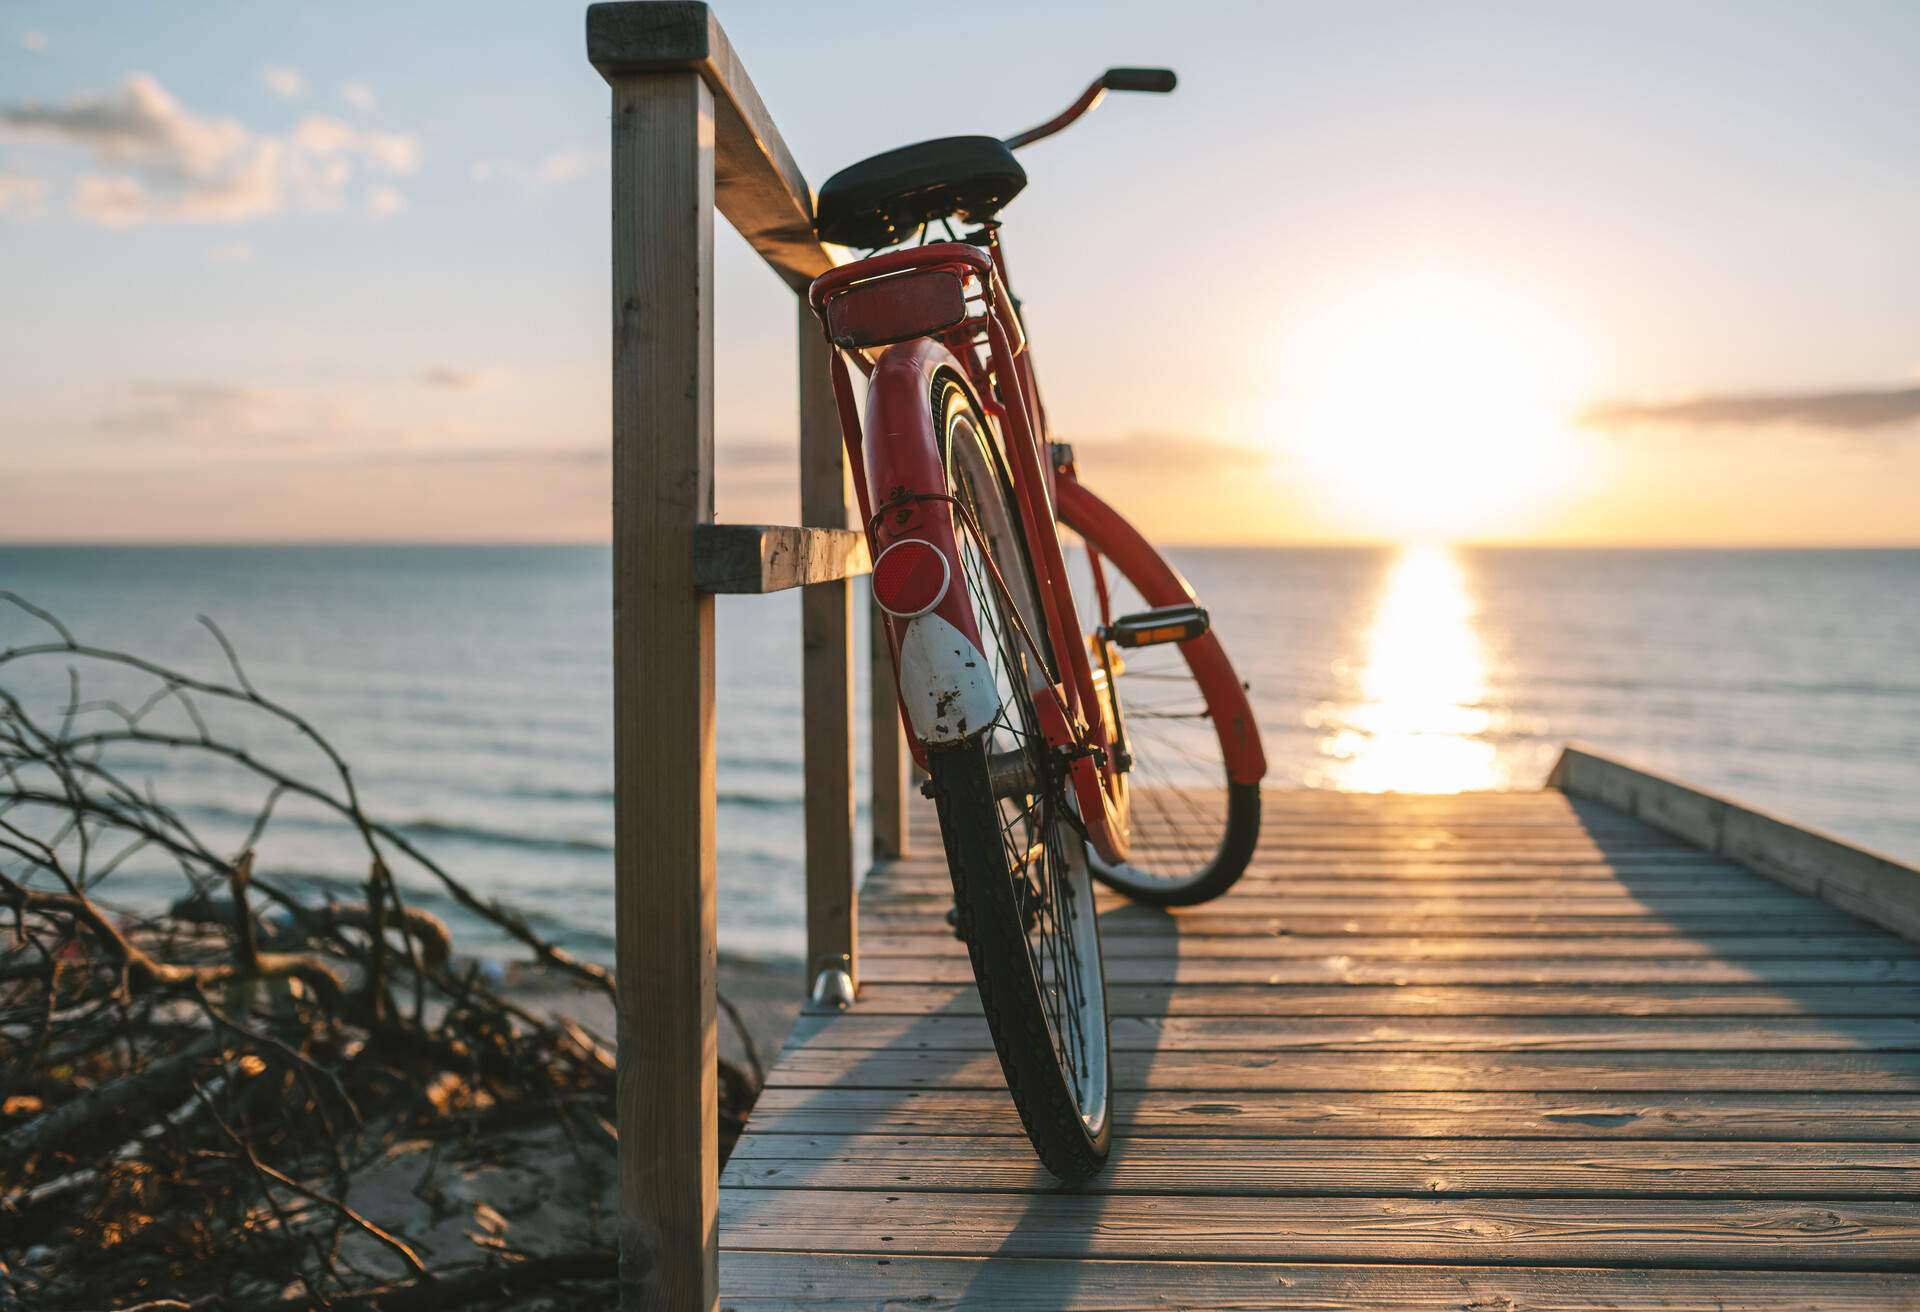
(945, 682)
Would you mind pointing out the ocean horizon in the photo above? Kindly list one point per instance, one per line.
(470, 688)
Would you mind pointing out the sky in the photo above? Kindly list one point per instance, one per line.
(1609, 274)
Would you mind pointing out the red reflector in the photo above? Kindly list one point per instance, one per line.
(896, 308)
(910, 578)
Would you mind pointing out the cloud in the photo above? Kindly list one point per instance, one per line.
(215, 414)
(34, 40)
(359, 96)
(561, 166)
(325, 137)
(385, 202)
(458, 380)
(231, 252)
(171, 164)
(1849, 411)
(20, 194)
(283, 82)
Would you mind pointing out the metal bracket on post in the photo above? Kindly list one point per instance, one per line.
(832, 983)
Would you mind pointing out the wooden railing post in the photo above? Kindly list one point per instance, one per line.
(888, 744)
(663, 184)
(690, 133)
(826, 645)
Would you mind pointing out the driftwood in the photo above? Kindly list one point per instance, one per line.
(322, 1106)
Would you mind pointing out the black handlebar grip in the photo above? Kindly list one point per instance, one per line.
(1139, 79)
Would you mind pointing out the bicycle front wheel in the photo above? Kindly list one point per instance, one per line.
(1193, 828)
(1014, 844)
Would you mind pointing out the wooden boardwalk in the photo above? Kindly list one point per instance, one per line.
(1504, 1051)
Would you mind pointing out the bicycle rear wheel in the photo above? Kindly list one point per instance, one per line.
(1014, 844)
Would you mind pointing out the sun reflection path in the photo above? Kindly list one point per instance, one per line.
(1419, 724)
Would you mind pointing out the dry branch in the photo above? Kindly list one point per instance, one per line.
(214, 1108)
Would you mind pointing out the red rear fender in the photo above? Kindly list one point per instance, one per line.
(946, 684)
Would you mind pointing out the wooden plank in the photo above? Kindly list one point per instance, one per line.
(789, 1282)
(1357, 886)
(1777, 971)
(758, 186)
(1493, 859)
(907, 876)
(1282, 1114)
(892, 833)
(663, 689)
(1868, 884)
(757, 558)
(1132, 921)
(1414, 1000)
(929, 908)
(863, 1031)
(1300, 844)
(1371, 1168)
(1176, 947)
(1519, 1231)
(826, 676)
(1689, 1072)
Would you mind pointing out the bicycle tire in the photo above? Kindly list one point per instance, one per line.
(1033, 939)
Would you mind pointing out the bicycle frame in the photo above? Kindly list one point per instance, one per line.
(988, 350)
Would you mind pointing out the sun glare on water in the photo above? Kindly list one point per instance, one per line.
(1435, 409)
(1419, 722)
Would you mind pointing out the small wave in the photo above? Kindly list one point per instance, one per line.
(539, 793)
(431, 828)
(758, 801)
(753, 801)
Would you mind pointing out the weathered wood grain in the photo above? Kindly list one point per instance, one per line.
(826, 674)
(931, 908)
(1121, 922)
(792, 1282)
(1520, 1231)
(1780, 971)
(1437, 1168)
(663, 174)
(1419, 1000)
(1501, 1030)
(758, 187)
(1172, 947)
(1874, 887)
(1677, 1072)
(757, 558)
(864, 1031)
(1597, 1117)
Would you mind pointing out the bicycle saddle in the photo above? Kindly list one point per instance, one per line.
(882, 200)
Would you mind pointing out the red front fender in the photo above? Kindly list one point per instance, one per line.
(1107, 532)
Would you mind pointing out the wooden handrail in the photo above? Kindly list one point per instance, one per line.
(691, 135)
(756, 183)
(1868, 884)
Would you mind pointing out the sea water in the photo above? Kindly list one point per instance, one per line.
(470, 688)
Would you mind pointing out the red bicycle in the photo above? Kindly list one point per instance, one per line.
(1060, 682)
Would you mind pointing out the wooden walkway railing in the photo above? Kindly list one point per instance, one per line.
(690, 135)
(1360, 989)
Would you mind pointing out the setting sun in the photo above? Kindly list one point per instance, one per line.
(1435, 408)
